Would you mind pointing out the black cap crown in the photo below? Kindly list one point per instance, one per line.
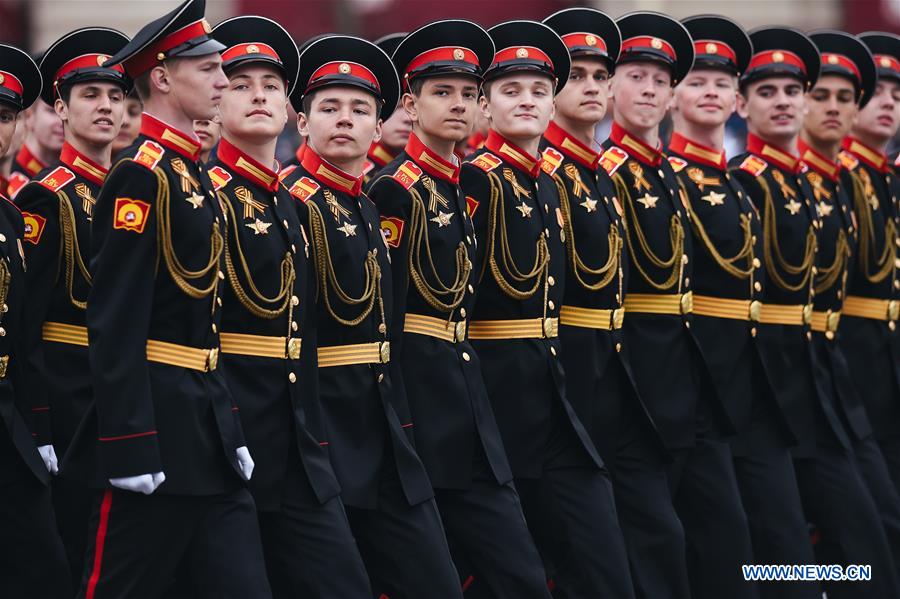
(885, 48)
(444, 48)
(523, 46)
(20, 79)
(78, 57)
(654, 37)
(389, 42)
(719, 43)
(251, 39)
(845, 55)
(587, 33)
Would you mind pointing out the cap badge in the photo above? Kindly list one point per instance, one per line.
(656, 43)
(590, 40)
(206, 26)
(344, 68)
(2, 78)
(458, 54)
(521, 53)
(252, 49)
(885, 61)
(711, 48)
(832, 59)
(101, 58)
(778, 57)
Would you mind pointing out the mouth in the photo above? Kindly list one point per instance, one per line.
(341, 137)
(645, 104)
(782, 119)
(455, 122)
(710, 106)
(202, 135)
(215, 99)
(104, 122)
(525, 115)
(831, 123)
(886, 120)
(259, 111)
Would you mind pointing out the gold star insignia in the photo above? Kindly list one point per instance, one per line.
(348, 230)
(442, 219)
(589, 204)
(793, 206)
(525, 209)
(195, 200)
(648, 201)
(259, 227)
(714, 199)
(824, 209)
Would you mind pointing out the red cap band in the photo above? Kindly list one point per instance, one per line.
(716, 48)
(776, 57)
(148, 58)
(250, 48)
(85, 61)
(352, 69)
(520, 53)
(444, 54)
(883, 61)
(575, 40)
(650, 42)
(10, 81)
(839, 60)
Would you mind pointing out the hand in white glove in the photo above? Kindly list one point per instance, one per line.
(48, 454)
(143, 483)
(245, 462)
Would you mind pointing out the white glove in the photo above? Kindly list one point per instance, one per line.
(143, 483)
(245, 462)
(48, 454)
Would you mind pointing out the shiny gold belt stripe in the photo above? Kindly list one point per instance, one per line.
(421, 324)
(524, 328)
(59, 332)
(357, 353)
(184, 356)
(652, 303)
(4, 364)
(790, 314)
(263, 346)
(867, 307)
(592, 318)
(825, 321)
(721, 307)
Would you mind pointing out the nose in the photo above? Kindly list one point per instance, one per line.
(221, 81)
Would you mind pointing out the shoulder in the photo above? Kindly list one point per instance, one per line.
(218, 175)
(748, 163)
(300, 186)
(551, 160)
(54, 179)
(483, 160)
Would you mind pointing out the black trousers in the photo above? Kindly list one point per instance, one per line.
(874, 470)
(137, 541)
(32, 559)
(72, 502)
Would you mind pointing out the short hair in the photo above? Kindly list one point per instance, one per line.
(142, 82)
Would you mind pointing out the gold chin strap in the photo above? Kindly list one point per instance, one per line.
(71, 249)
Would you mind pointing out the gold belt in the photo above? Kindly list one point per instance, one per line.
(825, 322)
(721, 307)
(184, 356)
(358, 353)
(263, 346)
(652, 303)
(523, 328)
(791, 314)
(65, 333)
(4, 363)
(867, 307)
(592, 318)
(448, 330)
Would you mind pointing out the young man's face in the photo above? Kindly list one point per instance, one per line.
(881, 116)
(831, 109)
(642, 92)
(586, 94)
(445, 108)
(131, 124)
(254, 106)
(8, 122)
(396, 129)
(208, 132)
(197, 83)
(520, 105)
(773, 108)
(45, 126)
(706, 97)
(342, 123)
(94, 112)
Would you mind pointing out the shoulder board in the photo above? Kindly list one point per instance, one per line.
(16, 182)
(407, 174)
(754, 165)
(283, 173)
(486, 162)
(304, 188)
(219, 177)
(677, 163)
(612, 159)
(149, 154)
(551, 159)
(848, 160)
(57, 178)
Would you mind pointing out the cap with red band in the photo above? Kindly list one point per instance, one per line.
(657, 38)
(528, 46)
(79, 56)
(584, 40)
(252, 39)
(159, 51)
(20, 79)
(342, 70)
(782, 52)
(460, 57)
(587, 33)
(719, 43)
(846, 56)
(243, 50)
(775, 57)
(449, 47)
(11, 82)
(841, 61)
(885, 47)
(647, 42)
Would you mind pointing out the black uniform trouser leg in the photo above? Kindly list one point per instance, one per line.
(32, 558)
(837, 501)
(874, 471)
(890, 449)
(72, 504)
(136, 542)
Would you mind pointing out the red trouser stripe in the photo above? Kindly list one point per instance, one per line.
(98, 546)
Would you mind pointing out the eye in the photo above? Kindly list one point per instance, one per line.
(575, 76)
(468, 95)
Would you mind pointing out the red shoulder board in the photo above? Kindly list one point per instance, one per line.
(551, 159)
(304, 188)
(754, 165)
(392, 229)
(471, 206)
(612, 159)
(149, 154)
(407, 174)
(486, 162)
(57, 178)
(219, 177)
(677, 163)
(283, 173)
(848, 160)
(130, 214)
(34, 227)
(16, 182)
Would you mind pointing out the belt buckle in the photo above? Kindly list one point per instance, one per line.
(893, 311)
(293, 348)
(547, 328)
(4, 362)
(618, 318)
(459, 332)
(212, 359)
(755, 310)
(687, 302)
(807, 314)
(384, 352)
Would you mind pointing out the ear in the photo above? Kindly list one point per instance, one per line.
(378, 129)
(408, 102)
(742, 106)
(160, 79)
(302, 124)
(485, 107)
(286, 111)
(62, 111)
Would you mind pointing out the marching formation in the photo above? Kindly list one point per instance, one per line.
(454, 347)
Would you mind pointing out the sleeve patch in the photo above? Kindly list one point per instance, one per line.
(612, 159)
(754, 165)
(16, 182)
(130, 215)
(551, 159)
(848, 160)
(57, 178)
(34, 227)
(407, 174)
(486, 162)
(392, 229)
(304, 188)
(677, 163)
(471, 206)
(219, 177)
(149, 154)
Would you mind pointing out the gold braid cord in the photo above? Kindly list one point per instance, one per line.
(633, 230)
(5, 279)
(828, 276)
(772, 250)
(71, 249)
(884, 263)
(608, 271)
(430, 293)
(539, 270)
(288, 276)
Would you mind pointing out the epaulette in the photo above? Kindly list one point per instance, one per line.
(486, 162)
(304, 188)
(149, 154)
(754, 165)
(57, 178)
(283, 173)
(612, 159)
(677, 163)
(551, 160)
(848, 160)
(16, 182)
(471, 206)
(407, 174)
(219, 177)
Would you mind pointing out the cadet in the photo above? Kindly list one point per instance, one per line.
(131, 123)
(163, 419)
(871, 311)
(268, 327)
(209, 132)
(32, 557)
(396, 128)
(345, 88)
(41, 147)
(58, 205)
(427, 226)
(520, 270)
(599, 379)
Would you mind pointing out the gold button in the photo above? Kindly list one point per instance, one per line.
(758, 286)
(685, 259)
(382, 328)
(551, 281)
(753, 331)
(462, 312)
(4, 308)
(618, 347)
(808, 336)
(214, 328)
(219, 301)
(551, 305)
(829, 335)
(892, 325)
(660, 173)
(687, 324)
(2, 332)
(552, 350)
(380, 377)
(294, 326)
(547, 233)
(753, 238)
(756, 263)
(285, 223)
(292, 377)
(293, 248)
(466, 356)
(2, 238)
(471, 289)
(687, 281)
(221, 275)
(295, 301)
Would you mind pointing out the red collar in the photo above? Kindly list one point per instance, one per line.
(172, 138)
(770, 153)
(247, 167)
(300, 152)
(33, 165)
(476, 140)
(430, 162)
(697, 152)
(513, 154)
(331, 175)
(874, 158)
(830, 169)
(82, 165)
(635, 147)
(380, 155)
(571, 147)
